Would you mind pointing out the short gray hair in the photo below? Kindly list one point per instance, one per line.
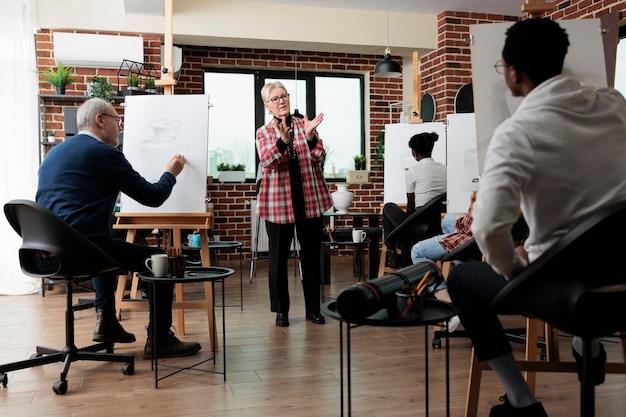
(265, 91)
(87, 112)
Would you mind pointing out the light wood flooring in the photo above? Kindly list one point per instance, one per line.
(271, 371)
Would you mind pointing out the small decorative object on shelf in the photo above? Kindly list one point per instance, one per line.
(132, 80)
(231, 172)
(342, 198)
(149, 86)
(59, 77)
(134, 73)
(50, 136)
(359, 162)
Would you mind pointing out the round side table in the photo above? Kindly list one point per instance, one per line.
(211, 274)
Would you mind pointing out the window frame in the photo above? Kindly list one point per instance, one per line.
(260, 77)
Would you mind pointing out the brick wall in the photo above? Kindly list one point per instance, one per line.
(443, 72)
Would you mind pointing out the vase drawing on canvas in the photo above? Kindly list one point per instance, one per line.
(157, 150)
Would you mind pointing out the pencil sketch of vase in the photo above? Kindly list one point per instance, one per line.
(157, 150)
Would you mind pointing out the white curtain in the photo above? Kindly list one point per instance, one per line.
(19, 154)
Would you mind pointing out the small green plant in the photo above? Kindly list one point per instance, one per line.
(132, 80)
(149, 84)
(359, 162)
(102, 88)
(50, 134)
(59, 77)
(231, 167)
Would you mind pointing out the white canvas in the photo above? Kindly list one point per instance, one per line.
(155, 129)
(398, 155)
(493, 102)
(462, 161)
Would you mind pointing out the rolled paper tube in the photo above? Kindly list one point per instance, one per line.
(361, 300)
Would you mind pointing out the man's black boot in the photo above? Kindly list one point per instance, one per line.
(169, 346)
(108, 329)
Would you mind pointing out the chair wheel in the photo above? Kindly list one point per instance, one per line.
(436, 343)
(4, 379)
(128, 368)
(60, 387)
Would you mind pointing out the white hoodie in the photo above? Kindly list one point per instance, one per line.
(561, 155)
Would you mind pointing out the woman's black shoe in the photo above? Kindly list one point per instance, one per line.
(507, 410)
(282, 319)
(316, 318)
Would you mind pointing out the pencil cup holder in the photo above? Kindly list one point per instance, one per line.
(410, 306)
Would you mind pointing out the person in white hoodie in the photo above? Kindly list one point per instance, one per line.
(559, 157)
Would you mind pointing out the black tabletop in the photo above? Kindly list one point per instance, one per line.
(435, 311)
(227, 244)
(346, 243)
(192, 274)
(351, 213)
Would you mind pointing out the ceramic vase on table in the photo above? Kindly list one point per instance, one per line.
(342, 198)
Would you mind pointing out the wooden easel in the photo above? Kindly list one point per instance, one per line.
(167, 77)
(416, 114)
(173, 223)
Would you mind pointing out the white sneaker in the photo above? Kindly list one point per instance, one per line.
(453, 324)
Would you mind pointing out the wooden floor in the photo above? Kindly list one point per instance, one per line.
(271, 371)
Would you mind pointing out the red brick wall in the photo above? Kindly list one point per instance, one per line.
(443, 72)
(449, 67)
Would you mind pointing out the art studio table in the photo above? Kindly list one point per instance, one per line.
(435, 311)
(209, 275)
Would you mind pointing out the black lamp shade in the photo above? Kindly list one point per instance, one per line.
(388, 68)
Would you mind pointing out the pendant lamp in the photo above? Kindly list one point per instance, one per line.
(388, 67)
(296, 112)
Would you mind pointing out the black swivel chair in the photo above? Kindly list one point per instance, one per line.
(52, 249)
(576, 287)
(423, 223)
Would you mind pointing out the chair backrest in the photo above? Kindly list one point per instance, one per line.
(577, 285)
(427, 217)
(53, 249)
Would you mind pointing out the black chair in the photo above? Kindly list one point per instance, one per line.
(52, 249)
(576, 287)
(423, 223)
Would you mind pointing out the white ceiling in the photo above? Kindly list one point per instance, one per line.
(504, 7)
(425, 7)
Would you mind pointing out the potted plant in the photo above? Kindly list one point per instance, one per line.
(59, 77)
(132, 80)
(231, 172)
(102, 88)
(50, 136)
(149, 85)
(359, 162)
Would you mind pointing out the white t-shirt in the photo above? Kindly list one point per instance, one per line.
(427, 180)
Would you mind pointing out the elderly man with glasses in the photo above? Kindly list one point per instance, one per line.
(80, 180)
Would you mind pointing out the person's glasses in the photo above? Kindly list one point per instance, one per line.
(499, 66)
(276, 99)
(118, 119)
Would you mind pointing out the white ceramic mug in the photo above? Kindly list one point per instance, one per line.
(358, 236)
(158, 265)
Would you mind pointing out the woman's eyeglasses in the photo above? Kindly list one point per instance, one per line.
(276, 99)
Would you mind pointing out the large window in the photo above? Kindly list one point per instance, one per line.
(237, 111)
